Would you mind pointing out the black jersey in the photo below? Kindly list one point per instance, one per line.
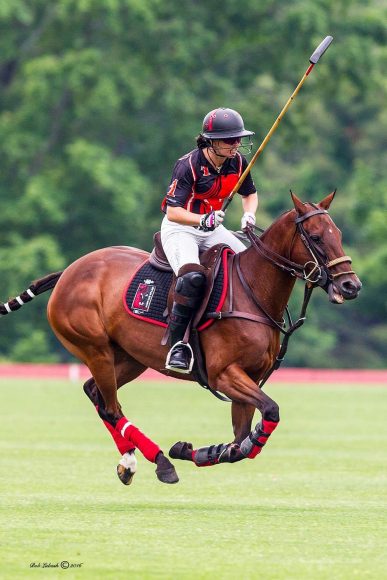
(199, 188)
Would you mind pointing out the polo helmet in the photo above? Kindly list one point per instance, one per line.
(223, 123)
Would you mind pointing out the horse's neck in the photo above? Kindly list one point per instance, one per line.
(271, 286)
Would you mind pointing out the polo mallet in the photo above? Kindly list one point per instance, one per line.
(322, 47)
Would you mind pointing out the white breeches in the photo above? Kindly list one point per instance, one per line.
(182, 243)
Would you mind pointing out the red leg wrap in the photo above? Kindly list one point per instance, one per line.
(267, 427)
(122, 444)
(128, 431)
(256, 450)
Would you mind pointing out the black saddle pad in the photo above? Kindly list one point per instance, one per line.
(146, 295)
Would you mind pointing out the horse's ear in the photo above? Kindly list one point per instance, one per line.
(326, 202)
(300, 207)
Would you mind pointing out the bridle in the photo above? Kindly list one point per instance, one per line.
(316, 271)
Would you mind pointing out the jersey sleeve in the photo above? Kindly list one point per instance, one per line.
(181, 184)
(248, 186)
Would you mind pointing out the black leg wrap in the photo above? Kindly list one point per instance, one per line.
(209, 455)
(181, 450)
(205, 456)
(251, 446)
(232, 454)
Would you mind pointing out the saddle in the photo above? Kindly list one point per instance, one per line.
(210, 259)
(149, 296)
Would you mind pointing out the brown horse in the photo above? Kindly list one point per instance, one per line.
(87, 315)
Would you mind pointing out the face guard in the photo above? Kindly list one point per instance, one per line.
(241, 143)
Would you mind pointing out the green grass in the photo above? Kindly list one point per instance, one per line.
(311, 506)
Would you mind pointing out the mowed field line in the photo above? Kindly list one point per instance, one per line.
(313, 505)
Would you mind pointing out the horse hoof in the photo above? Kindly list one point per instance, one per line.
(165, 471)
(127, 467)
(181, 450)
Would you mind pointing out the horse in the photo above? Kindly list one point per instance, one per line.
(86, 313)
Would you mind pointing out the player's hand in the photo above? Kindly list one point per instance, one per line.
(247, 218)
(210, 221)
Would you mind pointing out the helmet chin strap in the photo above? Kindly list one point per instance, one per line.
(217, 154)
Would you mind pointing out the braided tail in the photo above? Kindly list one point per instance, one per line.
(37, 287)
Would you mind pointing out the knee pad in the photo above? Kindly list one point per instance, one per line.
(191, 285)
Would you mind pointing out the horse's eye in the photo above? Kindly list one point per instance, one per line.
(316, 238)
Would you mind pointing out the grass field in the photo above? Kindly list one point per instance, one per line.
(312, 506)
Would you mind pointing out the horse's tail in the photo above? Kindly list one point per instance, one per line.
(37, 287)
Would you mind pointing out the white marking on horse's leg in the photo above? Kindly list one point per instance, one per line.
(129, 461)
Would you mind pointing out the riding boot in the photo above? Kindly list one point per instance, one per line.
(189, 290)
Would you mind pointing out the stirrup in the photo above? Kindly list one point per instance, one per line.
(182, 371)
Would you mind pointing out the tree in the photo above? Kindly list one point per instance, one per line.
(99, 98)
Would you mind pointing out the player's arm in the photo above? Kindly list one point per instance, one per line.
(250, 203)
(182, 216)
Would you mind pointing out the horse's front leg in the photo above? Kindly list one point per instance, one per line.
(246, 397)
(241, 415)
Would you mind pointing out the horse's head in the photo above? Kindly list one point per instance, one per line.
(318, 246)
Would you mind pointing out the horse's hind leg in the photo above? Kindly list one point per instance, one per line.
(101, 365)
(126, 369)
(100, 359)
(128, 463)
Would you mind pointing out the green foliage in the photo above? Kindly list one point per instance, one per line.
(99, 97)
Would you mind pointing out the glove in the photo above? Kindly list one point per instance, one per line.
(210, 221)
(247, 218)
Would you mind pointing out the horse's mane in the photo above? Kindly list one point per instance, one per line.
(277, 219)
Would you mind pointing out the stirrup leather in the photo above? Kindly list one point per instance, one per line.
(176, 370)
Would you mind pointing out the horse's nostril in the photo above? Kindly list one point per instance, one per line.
(350, 287)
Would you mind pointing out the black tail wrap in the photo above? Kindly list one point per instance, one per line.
(37, 287)
(46, 283)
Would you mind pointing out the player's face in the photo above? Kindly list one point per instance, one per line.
(226, 147)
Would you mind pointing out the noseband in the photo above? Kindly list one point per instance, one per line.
(315, 271)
